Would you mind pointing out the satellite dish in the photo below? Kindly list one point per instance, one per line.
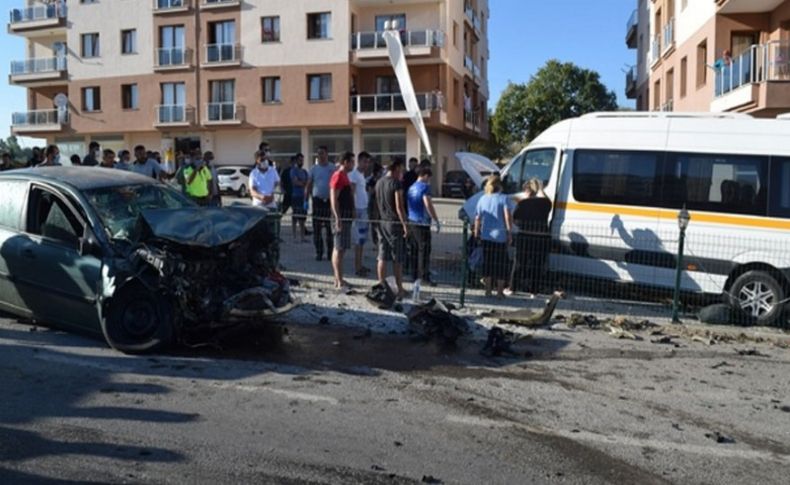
(61, 100)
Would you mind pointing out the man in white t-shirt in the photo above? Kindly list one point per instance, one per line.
(361, 227)
(263, 183)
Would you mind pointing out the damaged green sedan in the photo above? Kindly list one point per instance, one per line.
(118, 253)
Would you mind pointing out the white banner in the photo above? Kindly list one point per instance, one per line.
(398, 60)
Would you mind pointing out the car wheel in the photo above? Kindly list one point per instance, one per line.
(757, 298)
(137, 321)
(243, 191)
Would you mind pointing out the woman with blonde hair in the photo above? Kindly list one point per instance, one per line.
(493, 228)
(532, 240)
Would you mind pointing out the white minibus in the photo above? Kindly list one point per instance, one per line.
(619, 180)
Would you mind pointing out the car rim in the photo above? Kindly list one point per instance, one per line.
(757, 299)
(140, 319)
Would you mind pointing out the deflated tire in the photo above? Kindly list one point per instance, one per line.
(138, 321)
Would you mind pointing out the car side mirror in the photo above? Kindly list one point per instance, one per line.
(89, 245)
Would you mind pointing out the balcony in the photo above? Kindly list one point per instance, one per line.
(38, 19)
(217, 4)
(392, 106)
(46, 71)
(755, 80)
(631, 30)
(668, 37)
(747, 6)
(668, 107)
(172, 59)
(655, 51)
(39, 121)
(227, 113)
(171, 6)
(174, 115)
(630, 82)
(472, 121)
(417, 43)
(221, 55)
(473, 19)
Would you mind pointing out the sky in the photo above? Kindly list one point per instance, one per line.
(523, 35)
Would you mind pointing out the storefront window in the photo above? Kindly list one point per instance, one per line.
(336, 141)
(284, 144)
(385, 144)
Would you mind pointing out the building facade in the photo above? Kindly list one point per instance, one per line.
(222, 75)
(711, 55)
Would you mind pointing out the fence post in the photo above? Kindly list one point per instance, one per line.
(465, 269)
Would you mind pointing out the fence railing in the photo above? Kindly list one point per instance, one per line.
(173, 56)
(409, 38)
(668, 35)
(472, 120)
(38, 66)
(42, 117)
(655, 49)
(217, 112)
(393, 103)
(55, 10)
(218, 53)
(218, 2)
(173, 113)
(634, 268)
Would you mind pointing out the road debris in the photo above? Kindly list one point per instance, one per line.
(578, 320)
(719, 314)
(620, 333)
(751, 352)
(720, 438)
(721, 364)
(435, 320)
(430, 479)
(704, 340)
(529, 318)
(664, 339)
(381, 296)
(499, 343)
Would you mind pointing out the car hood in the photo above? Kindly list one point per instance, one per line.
(473, 164)
(200, 227)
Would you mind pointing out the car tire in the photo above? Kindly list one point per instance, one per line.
(756, 297)
(137, 321)
(243, 192)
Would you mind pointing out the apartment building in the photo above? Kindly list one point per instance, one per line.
(713, 55)
(222, 75)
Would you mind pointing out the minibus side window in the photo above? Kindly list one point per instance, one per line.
(735, 184)
(616, 177)
(532, 164)
(780, 188)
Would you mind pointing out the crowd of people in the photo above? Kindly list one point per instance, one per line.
(355, 200)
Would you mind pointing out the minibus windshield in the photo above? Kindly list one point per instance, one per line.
(533, 163)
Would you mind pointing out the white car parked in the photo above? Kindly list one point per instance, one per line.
(234, 179)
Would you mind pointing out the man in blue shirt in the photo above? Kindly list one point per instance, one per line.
(421, 212)
(318, 187)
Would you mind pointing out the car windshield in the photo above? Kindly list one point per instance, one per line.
(455, 177)
(532, 164)
(119, 207)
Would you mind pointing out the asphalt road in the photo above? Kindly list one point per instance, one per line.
(328, 405)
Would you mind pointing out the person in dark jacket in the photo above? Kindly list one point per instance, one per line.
(532, 240)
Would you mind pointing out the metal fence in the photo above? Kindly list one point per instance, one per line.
(607, 264)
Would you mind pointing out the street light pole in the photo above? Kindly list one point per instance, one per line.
(683, 223)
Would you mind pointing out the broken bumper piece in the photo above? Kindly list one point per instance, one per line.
(255, 303)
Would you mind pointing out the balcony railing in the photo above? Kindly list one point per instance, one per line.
(168, 114)
(472, 120)
(631, 28)
(630, 80)
(173, 57)
(218, 3)
(474, 19)
(171, 5)
(52, 11)
(38, 66)
(655, 50)
(222, 112)
(760, 63)
(393, 103)
(39, 118)
(409, 38)
(669, 106)
(222, 53)
(668, 35)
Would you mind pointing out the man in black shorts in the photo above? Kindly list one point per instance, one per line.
(393, 230)
(341, 199)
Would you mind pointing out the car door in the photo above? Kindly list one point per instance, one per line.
(58, 284)
(13, 195)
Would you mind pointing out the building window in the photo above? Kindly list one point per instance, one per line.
(702, 63)
(319, 87)
(270, 29)
(455, 34)
(90, 45)
(318, 25)
(656, 95)
(129, 41)
(91, 99)
(271, 89)
(129, 96)
(683, 76)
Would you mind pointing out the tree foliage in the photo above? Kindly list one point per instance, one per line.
(556, 92)
(11, 146)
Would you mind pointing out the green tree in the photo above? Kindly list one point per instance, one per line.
(556, 92)
(11, 146)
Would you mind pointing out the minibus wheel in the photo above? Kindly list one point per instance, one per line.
(757, 298)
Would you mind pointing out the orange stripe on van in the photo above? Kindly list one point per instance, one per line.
(711, 218)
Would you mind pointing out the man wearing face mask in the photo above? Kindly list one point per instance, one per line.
(91, 159)
(263, 183)
(51, 157)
